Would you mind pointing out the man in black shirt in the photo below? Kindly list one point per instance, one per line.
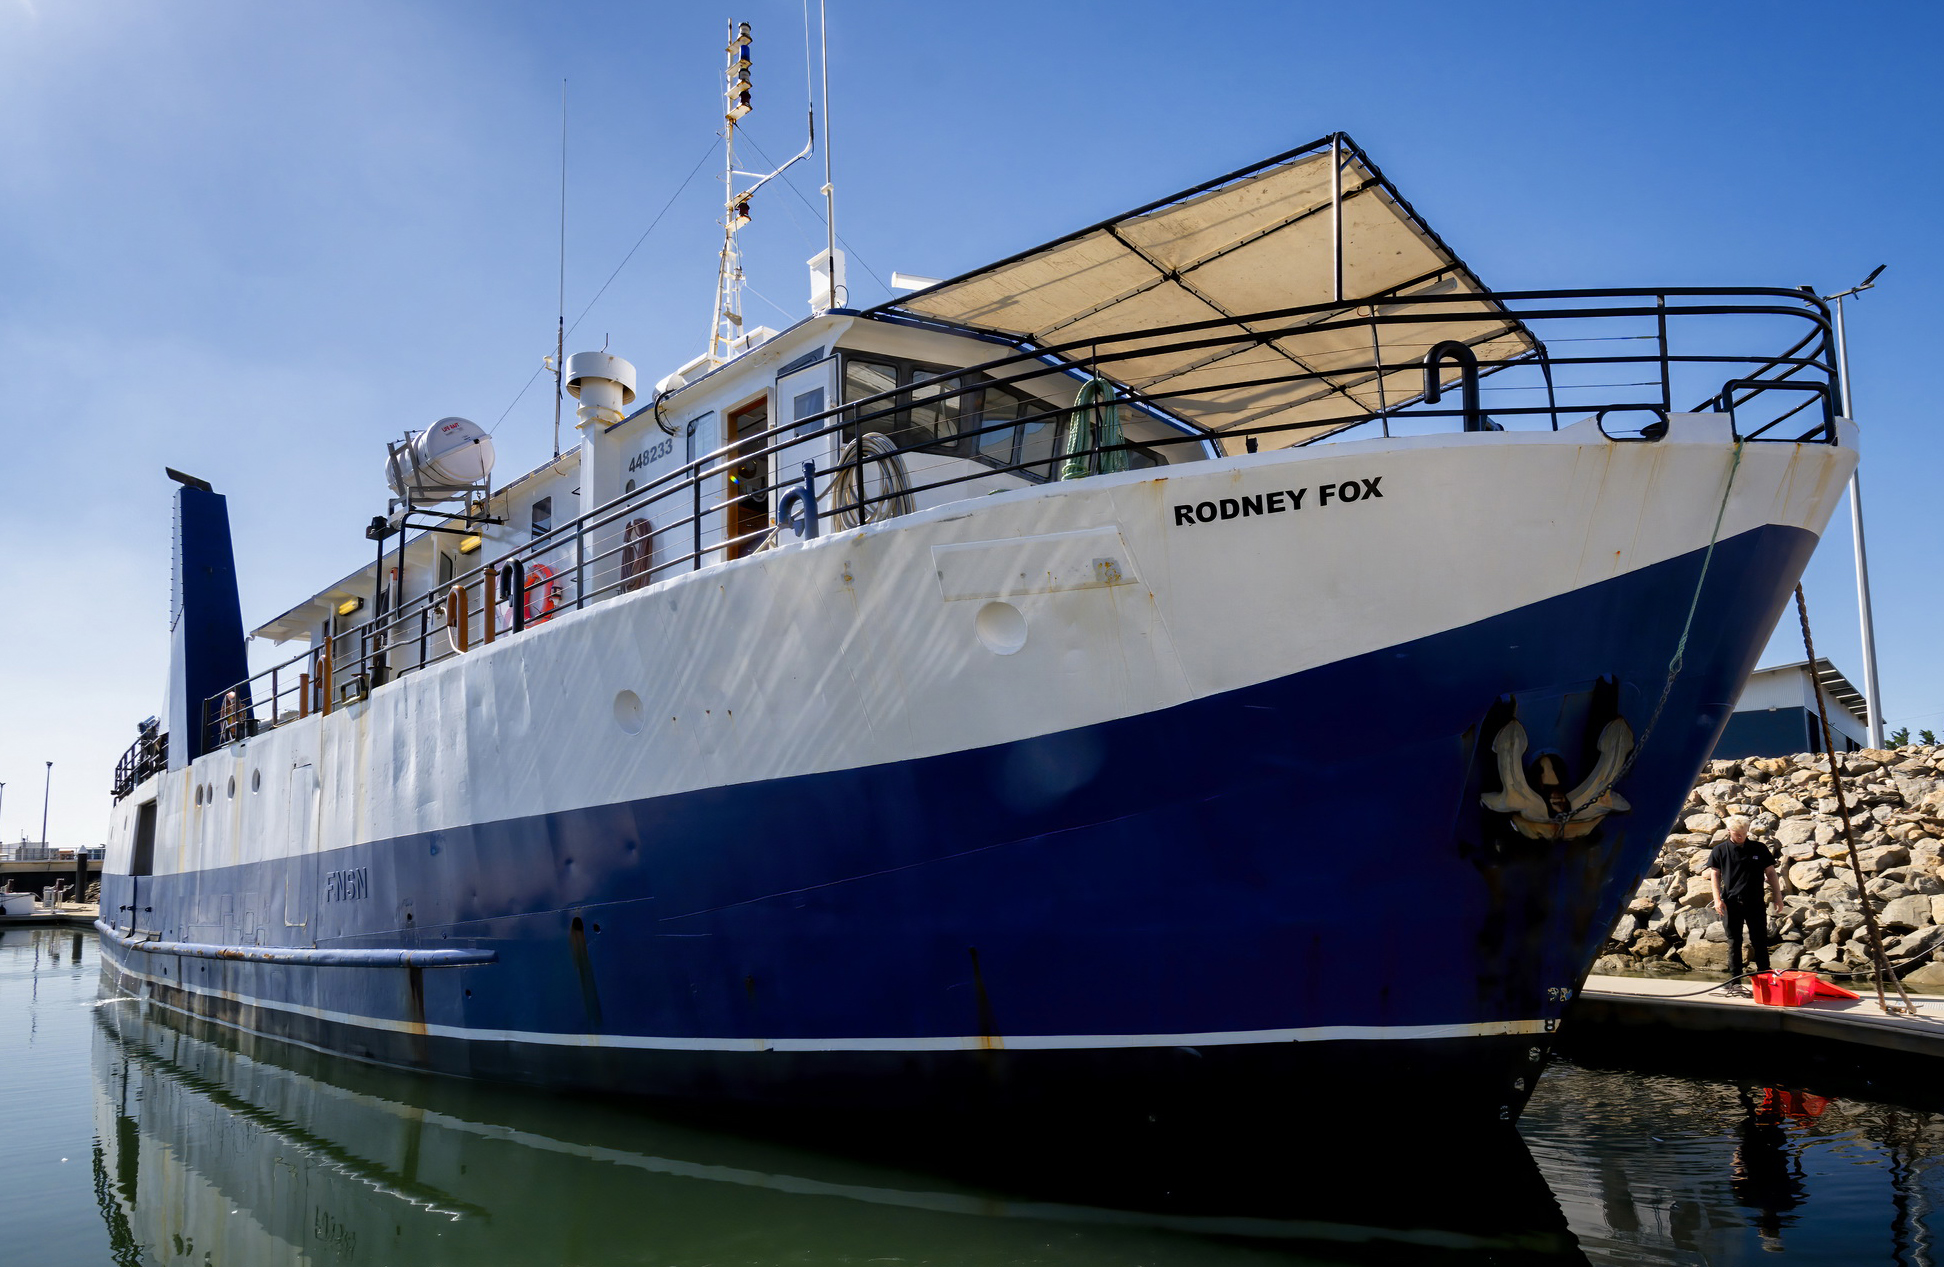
(1742, 873)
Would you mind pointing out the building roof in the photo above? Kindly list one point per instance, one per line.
(1833, 683)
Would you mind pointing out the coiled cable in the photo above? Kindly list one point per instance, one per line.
(846, 489)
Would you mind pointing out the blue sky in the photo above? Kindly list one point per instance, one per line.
(254, 241)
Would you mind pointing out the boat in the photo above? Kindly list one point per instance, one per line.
(15, 903)
(1227, 662)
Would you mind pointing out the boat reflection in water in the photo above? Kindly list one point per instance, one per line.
(216, 1148)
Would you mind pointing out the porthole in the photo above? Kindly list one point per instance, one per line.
(1001, 628)
(627, 712)
(256, 780)
(199, 794)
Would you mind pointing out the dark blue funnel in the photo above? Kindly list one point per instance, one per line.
(206, 653)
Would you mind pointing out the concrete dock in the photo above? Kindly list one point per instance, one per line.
(1681, 1027)
(1672, 1003)
(68, 914)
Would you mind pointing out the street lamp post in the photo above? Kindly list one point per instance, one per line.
(47, 788)
(1870, 694)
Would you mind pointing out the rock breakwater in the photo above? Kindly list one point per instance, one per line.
(1896, 801)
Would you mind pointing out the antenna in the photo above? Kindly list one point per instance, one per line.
(560, 325)
(830, 197)
(726, 324)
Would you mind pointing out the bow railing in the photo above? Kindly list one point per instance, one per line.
(1626, 358)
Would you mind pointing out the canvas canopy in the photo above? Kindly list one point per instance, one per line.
(1263, 239)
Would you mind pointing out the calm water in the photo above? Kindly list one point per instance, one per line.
(124, 1139)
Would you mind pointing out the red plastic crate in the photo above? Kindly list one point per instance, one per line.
(1793, 989)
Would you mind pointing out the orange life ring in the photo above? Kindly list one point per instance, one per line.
(538, 575)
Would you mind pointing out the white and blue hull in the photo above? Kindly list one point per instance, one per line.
(1060, 795)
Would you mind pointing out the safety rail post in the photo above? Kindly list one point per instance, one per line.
(425, 623)
(486, 613)
(862, 519)
(517, 596)
(580, 563)
(695, 486)
(273, 695)
(303, 696)
(1667, 382)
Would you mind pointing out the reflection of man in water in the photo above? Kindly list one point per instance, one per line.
(1764, 1177)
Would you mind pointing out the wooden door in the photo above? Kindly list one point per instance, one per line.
(748, 480)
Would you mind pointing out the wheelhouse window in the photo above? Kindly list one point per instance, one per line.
(543, 517)
(960, 416)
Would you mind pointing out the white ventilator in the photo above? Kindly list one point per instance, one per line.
(603, 383)
(447, 459)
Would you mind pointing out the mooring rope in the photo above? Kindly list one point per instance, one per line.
(1679, 659)
(1882, 959)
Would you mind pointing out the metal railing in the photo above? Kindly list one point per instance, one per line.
(148, 755)
(944, 430)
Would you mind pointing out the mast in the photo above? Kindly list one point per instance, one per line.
(727, 323)
(560, 323)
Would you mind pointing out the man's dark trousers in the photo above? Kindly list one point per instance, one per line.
(1754, 913)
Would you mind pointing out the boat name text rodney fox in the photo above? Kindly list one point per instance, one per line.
(1277, 502)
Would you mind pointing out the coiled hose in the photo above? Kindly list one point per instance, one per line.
(844, 487)
(1094, 413)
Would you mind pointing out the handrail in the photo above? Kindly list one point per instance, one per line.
(304, 956)
(681, 520)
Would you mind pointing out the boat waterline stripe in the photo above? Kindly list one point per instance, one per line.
(967, 1042)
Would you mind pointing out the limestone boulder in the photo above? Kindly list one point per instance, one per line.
(1884, 857)
(1703, 822)
(1926, 979)
(1884, 890)
(1837, 892)
(1784, 958)
(1917, 943)
(1705, 956)
(1794, 832)
(1783, 805)
(1906, 913)
(1805, 877)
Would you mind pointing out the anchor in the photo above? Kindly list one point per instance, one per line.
(1550, 812)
